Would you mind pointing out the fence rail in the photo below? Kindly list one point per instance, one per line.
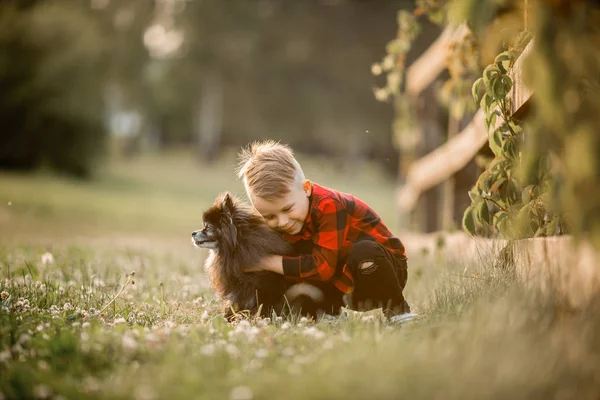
(443, 162)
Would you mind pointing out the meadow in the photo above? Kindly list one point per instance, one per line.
(103, 296)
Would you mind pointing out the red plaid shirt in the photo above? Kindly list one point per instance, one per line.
(335, 221)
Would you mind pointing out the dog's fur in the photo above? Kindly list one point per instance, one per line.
(239, 238)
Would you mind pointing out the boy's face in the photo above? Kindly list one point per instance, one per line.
(288, 213)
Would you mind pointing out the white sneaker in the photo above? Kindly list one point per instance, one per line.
(401, 319)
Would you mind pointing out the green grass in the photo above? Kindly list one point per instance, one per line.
(482, 334)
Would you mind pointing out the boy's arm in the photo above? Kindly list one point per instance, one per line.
(328, 239)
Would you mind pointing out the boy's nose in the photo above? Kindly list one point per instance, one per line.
(283, 221)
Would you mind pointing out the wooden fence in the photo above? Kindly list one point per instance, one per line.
(442, 163)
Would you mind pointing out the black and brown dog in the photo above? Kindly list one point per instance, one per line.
(239, 238)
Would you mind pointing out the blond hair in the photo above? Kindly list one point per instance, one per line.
(269, 169)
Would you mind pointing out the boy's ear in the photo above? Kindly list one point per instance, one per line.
(307, 187)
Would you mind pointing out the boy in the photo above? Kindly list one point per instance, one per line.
(340, 244)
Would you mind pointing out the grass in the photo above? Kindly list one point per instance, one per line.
(482, 334)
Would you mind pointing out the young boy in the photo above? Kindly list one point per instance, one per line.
(340, 244)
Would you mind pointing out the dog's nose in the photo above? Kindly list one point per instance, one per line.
(194, 233)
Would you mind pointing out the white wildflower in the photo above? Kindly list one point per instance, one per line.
(42, 392)
(314, 332)
(170, 324)
(204, 317)
(288, 351)
(376, 69)
(24, 338)
(208, 349)
(85, 324)
(232, 350)
(243, 324)
(263, 322)
(119, 320)
(262, 353)
(382, 94)
(4, 295)
(241, 393)
(5, 355)
(144, 392)
(67, 307)
(47, 258)
(99, 282)
(91, 385)
(388, 62)
(286, 325)
(197, 301)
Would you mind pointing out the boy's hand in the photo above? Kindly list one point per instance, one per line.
(269, 263)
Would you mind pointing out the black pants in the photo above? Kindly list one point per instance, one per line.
(379, 276)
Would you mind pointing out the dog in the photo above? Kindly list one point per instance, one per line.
(238, 238)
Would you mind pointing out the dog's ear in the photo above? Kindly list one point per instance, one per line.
(228, 203)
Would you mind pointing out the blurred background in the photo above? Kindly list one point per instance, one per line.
(130, 112)
(81, 77)
(114, 93)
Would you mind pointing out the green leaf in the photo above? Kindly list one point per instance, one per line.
(482, 212)
(474, 195)
(486, 103)
(476, 90)
(497, 186)
(507, 82)
(500, 221)
(490, 120)
(509, 148)
(489, 72)
(515, 128)
(499, 87)
(504, 60)
(468, 222)
(496, 142)
(524, 222)
(527, 194)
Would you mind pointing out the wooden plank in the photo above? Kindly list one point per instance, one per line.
(423, 71)
(555, 264)
(446, 160)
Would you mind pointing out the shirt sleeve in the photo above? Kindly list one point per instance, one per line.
(328, 239)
